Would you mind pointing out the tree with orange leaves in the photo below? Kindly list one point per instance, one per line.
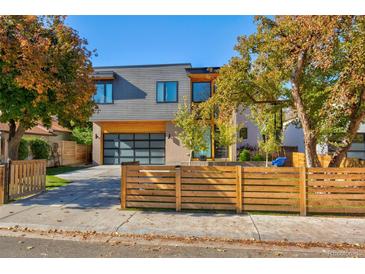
(45, 71)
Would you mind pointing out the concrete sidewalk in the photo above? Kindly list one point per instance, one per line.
(219, 226)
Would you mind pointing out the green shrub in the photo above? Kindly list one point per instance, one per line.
(40, 148)
(83, 135)
(258, 157)
(245, 155)
(23, 150)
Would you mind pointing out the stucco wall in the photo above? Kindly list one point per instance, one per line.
(96, 144)
(175, 151)
(253, 134)
(293, 136)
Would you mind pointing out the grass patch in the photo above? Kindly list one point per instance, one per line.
(63, 169)
(52, 181)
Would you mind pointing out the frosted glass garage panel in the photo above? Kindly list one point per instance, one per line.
(111, 144)
(111, 161)
(126, 144)
(127, 153)
(143, 161)
(111, 153)
(157, 153)
(157, 144)
(113, 137)
(157, 136)
(142, 152)
(157, 161)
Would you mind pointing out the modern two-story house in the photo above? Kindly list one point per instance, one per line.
(137, 106)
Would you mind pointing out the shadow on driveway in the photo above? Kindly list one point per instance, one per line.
(81, 194)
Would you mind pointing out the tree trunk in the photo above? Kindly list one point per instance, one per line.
(15, 135)
(267, 159)
(190, 157)
(340, 154)
(311, 156)
(310, 141)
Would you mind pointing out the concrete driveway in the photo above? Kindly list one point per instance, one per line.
(76, 206)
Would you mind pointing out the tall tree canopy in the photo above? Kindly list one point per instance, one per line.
(313, 64)
(45, 70)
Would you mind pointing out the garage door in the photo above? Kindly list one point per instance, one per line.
(147, 148)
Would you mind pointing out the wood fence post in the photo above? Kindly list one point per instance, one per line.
(2, 185)
(239, 189)
(123, 188)
(178, 187)
(303, 190)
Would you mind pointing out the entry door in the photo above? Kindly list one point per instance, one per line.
(147, 148)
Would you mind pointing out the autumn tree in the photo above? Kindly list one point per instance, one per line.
(313, 64)
(45, 71)
(192, 129)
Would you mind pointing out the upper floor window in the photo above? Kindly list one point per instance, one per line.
(201, 91)
(166, 92)
(104, 92)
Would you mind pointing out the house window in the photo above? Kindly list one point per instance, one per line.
(201, 91)
(243, 133)
(166, 92)
(104, 92)
(208, 152)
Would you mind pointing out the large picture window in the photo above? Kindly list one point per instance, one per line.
(208, 152)
(201, 91)
(167, 92)
(104, 92)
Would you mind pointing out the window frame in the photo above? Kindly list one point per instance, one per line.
(200, 82)
(164, 92)
(104, 83)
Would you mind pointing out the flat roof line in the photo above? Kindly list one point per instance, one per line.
(143, 66)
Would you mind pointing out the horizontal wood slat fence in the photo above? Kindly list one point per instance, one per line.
(25, 178)
(72, 153)
(285, 189)
(298, 160)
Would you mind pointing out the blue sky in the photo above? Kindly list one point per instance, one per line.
(135, 40)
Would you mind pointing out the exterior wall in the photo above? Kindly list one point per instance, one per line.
(293, 136)
(175, 151)
(253, 134)
(134, 93)
(97, 144)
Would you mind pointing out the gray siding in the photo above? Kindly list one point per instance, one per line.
(134, 93)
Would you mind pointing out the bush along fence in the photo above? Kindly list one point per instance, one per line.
(22, 178)
(288, 189)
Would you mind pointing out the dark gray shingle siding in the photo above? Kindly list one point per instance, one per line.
(134, 93)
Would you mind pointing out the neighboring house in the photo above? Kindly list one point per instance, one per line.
(293, 136)
(52, 135)
(137, 106)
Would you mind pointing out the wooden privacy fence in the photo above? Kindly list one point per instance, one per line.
(298, 160)
(287, 189)
(72, 153)
(25, 178)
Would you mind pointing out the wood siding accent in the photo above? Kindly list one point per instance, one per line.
(133, 127)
